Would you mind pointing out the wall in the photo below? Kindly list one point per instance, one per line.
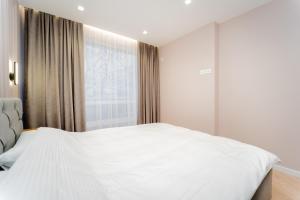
(256, 80)
(188, 99)
(259, 79)
(9, 44)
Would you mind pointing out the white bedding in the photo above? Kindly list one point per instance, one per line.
(2, 174)
(146, 162)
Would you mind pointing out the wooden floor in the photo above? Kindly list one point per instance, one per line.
(285, 187)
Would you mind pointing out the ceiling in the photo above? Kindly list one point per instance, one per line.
(165, 20)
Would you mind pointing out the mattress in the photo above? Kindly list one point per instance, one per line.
(145, 162)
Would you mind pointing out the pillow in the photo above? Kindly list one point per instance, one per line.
(8, 158)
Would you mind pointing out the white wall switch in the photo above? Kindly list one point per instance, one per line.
(205, 71)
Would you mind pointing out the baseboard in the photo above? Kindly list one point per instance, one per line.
(287, 170)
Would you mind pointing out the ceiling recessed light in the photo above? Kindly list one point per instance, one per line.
(80, 8)
(145, 32)
(188, 2)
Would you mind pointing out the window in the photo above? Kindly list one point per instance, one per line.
(110, 79)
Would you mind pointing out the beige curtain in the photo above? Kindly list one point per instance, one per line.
(54, 72)
(149, 94)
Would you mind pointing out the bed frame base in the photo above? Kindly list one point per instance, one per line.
(264, 192)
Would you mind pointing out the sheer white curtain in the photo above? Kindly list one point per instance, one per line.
(110, 79)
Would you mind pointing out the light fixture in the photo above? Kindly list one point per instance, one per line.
(188, 2)
(80, 8)
(16, 73)
(145, 32)
(13, 73)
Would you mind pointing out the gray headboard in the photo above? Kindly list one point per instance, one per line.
(11, 125)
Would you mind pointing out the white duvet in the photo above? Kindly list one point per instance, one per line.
(145, 162)
(2, 174)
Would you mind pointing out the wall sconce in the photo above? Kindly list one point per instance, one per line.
(13, 73)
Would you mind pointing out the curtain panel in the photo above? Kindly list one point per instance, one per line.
(111, 79)
(54, 72)
(149, 86)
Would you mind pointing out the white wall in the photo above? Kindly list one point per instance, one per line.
(259, 79)
(188, 99)
(257, 76)
(9, 44)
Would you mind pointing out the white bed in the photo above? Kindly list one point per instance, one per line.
(145, 162)
(2, 174)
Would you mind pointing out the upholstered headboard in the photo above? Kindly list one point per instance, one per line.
(11, 125)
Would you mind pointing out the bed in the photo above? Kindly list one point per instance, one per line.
(2, 174)
(145, 162)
